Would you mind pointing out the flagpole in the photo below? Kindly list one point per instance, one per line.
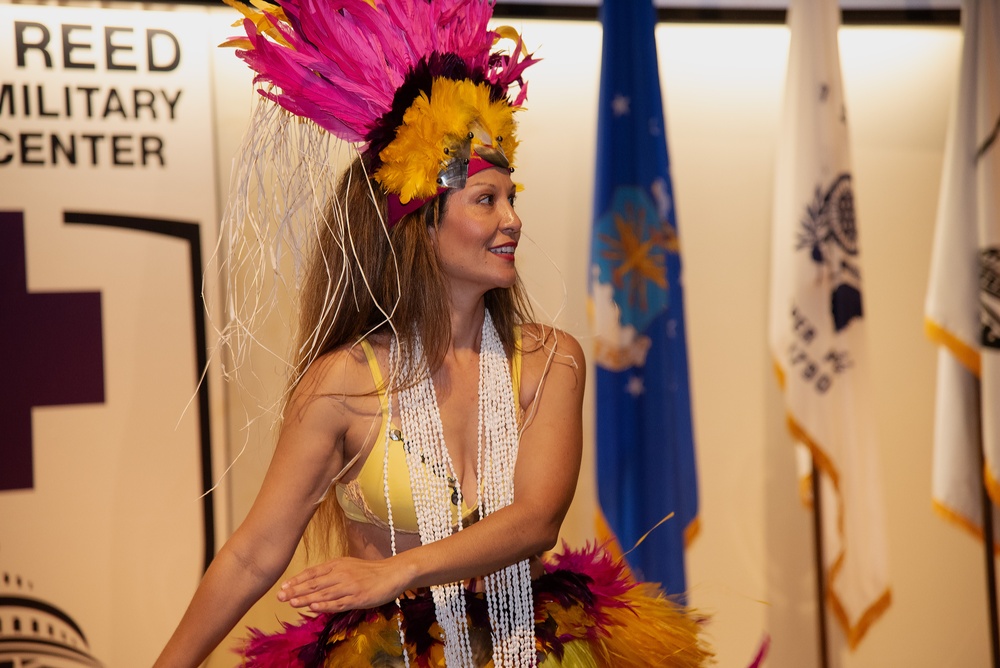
(991, 570)
(824, 659)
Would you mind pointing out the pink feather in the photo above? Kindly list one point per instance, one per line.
(281, 650)
(347, 60)
(610, 577)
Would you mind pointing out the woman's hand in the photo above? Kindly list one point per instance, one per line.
(345, 584)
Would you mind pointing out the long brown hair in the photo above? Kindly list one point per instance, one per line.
(359, 278)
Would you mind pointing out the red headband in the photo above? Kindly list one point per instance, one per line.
(397, 209)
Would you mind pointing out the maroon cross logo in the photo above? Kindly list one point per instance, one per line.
(51, 352)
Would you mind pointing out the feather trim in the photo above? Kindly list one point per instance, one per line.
(588, 614)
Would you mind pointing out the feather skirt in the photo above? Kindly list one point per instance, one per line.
(589, 613)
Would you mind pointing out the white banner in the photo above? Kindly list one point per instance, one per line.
(817, 329)
(107, 214)
(963, 298)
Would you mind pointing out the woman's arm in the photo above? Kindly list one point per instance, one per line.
(308, 455)
(548, 464)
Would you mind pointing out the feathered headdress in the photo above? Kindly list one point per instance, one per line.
(415, 83)
(416, 86)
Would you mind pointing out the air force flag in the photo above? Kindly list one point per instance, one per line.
(645, 448)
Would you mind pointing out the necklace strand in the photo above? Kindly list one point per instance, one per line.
(439, 513)
(393, 353)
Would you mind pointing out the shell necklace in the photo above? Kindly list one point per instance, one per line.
(437, 498)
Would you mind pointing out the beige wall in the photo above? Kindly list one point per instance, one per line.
(751, 568)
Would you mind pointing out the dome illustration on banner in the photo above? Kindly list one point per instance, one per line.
(36, 633)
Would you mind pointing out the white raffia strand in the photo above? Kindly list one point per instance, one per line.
(283, 182)
(508, 591)
(284, 175)
(280, 184)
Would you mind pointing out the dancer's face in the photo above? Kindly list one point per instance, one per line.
(478, 233)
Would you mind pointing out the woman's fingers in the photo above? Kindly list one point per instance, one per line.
(341, 584)
(309, 574)
(339, 605)
(309, 586)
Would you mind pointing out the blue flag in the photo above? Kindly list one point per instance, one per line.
(645, 448)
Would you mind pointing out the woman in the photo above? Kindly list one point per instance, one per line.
(435, 428)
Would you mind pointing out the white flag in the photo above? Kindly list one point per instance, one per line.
(817, 326)
(963, 299)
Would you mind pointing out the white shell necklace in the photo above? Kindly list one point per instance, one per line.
(437, 499)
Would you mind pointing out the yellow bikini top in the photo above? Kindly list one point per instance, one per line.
(363, 498)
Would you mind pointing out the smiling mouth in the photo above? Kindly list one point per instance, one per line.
(504, 251)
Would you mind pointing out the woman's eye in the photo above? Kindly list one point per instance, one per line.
(512, 199)
(486, 199)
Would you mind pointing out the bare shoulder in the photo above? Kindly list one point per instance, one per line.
(551, 355)
(342, 375)
(539, 342)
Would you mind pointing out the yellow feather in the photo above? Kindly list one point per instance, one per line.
(238, 43)
(509, 32)
(653, 626)
(412, 161)
(262, 24)
(373, 644)
(576, 654)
